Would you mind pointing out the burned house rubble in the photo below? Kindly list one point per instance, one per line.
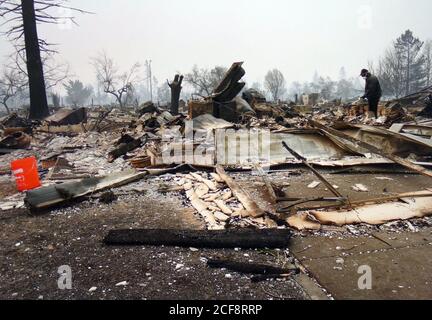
(252, 173)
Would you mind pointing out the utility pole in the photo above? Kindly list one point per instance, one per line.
(149, 75)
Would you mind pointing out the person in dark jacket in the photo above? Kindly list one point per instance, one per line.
(373, 91)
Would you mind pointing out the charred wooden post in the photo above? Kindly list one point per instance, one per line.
(38, 98)
(176, 87)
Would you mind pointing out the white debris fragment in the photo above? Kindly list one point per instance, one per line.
(122, 284)
(221, 216)
(314, 184)
(92, 289)
(360, 188)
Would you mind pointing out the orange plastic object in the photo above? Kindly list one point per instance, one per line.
(26, 174)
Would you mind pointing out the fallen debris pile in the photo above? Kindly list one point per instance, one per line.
(85, 152)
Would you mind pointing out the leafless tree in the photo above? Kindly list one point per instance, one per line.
(55, 72)
(112, 81)
(12, 83)
(274, 82)
(204, 81)
(22, 18)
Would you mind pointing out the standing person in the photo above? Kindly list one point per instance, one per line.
(373, 91)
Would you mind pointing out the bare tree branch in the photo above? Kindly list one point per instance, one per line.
(114, 83)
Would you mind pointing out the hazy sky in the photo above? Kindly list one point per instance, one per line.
(298, 37)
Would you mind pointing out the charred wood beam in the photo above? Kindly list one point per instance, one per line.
(248, 268)
(230, 86)
(241, 238)
(307, 164)
(251, 207)
(55, 195)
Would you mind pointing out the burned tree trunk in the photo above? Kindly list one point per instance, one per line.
(176, 87)
(38, 97)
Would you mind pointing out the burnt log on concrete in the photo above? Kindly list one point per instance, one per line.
(242, 238)
(248, 268)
